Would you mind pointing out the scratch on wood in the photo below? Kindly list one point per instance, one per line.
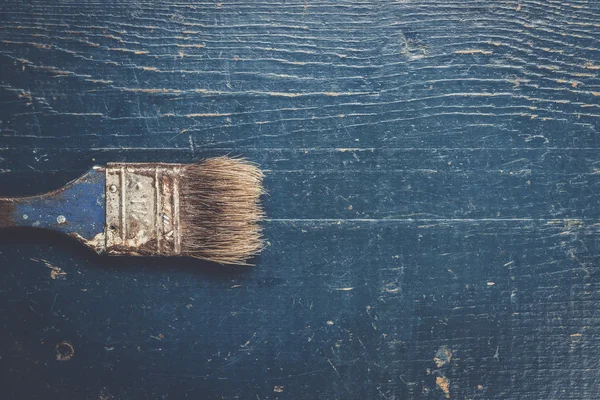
(473, 51)
(55, 272)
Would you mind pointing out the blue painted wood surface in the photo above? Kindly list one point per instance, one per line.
(433, 176)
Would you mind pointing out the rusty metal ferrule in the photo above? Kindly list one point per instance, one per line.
(142, 209)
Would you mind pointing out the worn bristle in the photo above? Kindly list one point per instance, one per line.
(220, 210)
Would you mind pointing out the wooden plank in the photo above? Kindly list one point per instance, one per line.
(378, 183)
(269, 74)
(508, 307)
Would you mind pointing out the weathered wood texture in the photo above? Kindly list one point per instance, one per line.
(434, 178)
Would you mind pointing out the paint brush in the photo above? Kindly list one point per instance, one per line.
(208, 210)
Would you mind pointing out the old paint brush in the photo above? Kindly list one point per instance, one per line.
(208, 210)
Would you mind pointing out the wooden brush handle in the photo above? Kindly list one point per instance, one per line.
(6, 213)
(43, 211)
(76, 209)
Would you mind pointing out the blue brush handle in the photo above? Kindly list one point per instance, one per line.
(77, 208)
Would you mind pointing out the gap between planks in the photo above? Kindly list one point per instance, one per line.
(465, 220)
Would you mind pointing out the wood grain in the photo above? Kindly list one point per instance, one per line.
(433, 170)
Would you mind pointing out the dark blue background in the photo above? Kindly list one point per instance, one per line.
(433, 172)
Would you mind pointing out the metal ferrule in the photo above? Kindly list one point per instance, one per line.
(142, 209)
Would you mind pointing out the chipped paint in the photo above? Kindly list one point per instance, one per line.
(443, 356)
(443, 384)
(64, 351)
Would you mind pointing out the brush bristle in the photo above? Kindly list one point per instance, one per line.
(220, 210)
